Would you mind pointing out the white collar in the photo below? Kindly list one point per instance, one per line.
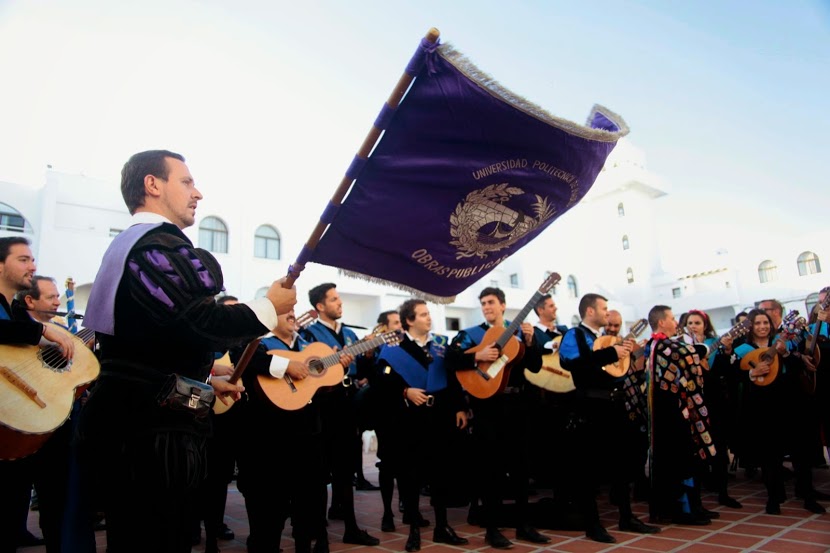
(149, 217)
(336, 328)
(428, 339)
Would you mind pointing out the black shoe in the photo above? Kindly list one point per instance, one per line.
(711, 515)
(413, 542)
(814, 507)
(226, 533)
(387, 523)
(421, 521)
(730, 502)
(447, 535)
(364, 485)
(690, 519)
(211, 546)
(529, 533)
(360, 537)
(773, 508)
(496, 539)
(336, 512)
(27, 539)
(600, 534)
(634, 524)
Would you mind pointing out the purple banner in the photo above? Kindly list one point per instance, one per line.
(464, 176)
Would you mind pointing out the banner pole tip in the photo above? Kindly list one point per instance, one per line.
(433, 34)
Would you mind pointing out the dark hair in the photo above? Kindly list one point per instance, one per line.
(225, 299)
(383, 318)
(318, 293)
(541, 303)
(407, 311)
(6, 244)
(754, 314)
(151, 162)
(589, 300)
(492, 291)
(708, 328)
(34, 289)
(657, 314)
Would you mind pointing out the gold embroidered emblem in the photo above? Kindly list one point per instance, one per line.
(485, 223)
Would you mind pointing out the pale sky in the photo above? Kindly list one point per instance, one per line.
(728, 99)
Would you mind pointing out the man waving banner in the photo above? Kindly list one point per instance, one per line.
(466, 173)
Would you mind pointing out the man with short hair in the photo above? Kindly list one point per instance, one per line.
(341, 440)
(680, 427)
(603, 422)
(17, 326)
(153, 309)
(42, 299)
(429, 412)
(391, 320)
(499, 420)
(614, 324)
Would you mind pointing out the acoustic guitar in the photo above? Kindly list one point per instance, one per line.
(489, 378)
(791, 328)
(220, 408)
(552, 376)
(620, 367)
(324, 370)
(37, 389)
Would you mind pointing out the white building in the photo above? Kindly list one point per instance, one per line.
(607, 244)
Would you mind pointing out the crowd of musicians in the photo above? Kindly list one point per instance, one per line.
(661, 414)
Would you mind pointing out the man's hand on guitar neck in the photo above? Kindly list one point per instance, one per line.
(527, 332)
(490, 353)
(64, 341)
(224, 390)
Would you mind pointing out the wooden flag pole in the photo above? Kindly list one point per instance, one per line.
(337, 199)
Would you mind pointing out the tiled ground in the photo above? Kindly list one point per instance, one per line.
(747, 529)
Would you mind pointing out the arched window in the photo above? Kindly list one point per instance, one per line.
(629, 274)
(625, 242)
(621, 209)
(573, 291)
(267, 242)
(12, 220)
(213, 235)
(767, 271)
(808, 264)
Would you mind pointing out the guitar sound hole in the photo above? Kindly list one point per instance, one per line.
(316, 367)
(52, 358)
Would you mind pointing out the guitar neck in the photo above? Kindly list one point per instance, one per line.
(85, 334)
(516, 323)
(354, 349)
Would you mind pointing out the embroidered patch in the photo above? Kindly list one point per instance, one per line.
(697, 399)
(664, 385)
(707, 439)
(387, 370)
(704, 412)
(691, 386)
(674, 388)
(675, 356)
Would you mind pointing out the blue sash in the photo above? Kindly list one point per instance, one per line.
(100, 311)
(272, 342)
(324, 335)
(823, 332)
(433, 379)
(3, 315)
(742, 350)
